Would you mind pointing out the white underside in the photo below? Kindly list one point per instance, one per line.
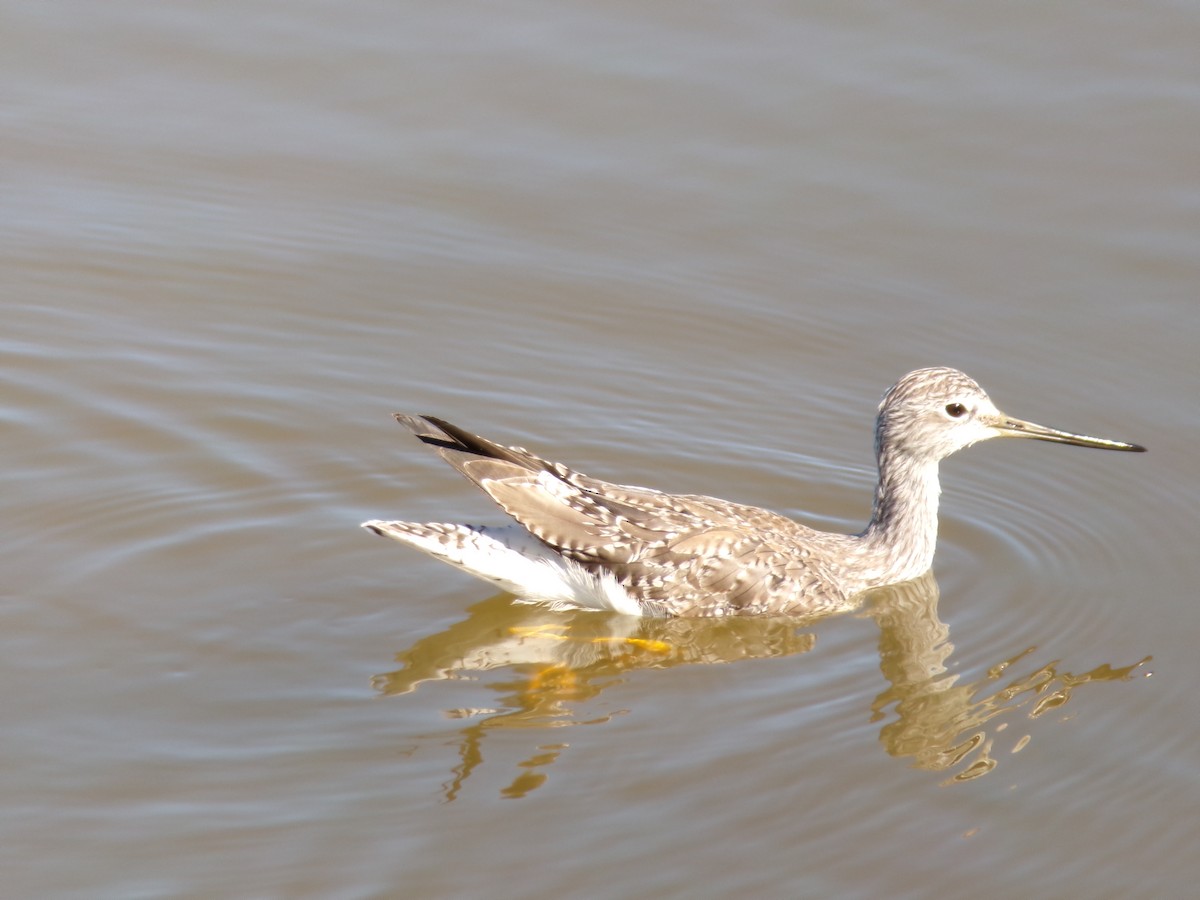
(513, 559)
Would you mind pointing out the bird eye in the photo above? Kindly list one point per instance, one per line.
(955, 410)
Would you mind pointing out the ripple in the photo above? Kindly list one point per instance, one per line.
(1052, 519)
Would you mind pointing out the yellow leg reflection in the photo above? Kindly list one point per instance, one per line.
(556, 662)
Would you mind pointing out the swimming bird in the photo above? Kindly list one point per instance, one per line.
(580, 542)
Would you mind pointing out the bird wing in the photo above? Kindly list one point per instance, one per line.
(683, 554)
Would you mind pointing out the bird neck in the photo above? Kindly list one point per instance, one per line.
(903, 530)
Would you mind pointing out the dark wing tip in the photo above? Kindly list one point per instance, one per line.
(431, 430)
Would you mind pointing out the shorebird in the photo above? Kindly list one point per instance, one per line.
(580, 542)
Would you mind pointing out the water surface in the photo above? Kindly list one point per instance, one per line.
(678, 246)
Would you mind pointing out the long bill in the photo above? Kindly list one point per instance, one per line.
(1009, 427)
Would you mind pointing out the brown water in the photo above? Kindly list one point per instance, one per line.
(677, 245)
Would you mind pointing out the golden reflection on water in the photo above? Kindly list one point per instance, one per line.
(553, 664)
(939, 723)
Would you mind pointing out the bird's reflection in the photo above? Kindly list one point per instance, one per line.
(943, 725)
(550, 664)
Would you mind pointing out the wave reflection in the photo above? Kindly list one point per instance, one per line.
(939, 723)
(552, 665)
